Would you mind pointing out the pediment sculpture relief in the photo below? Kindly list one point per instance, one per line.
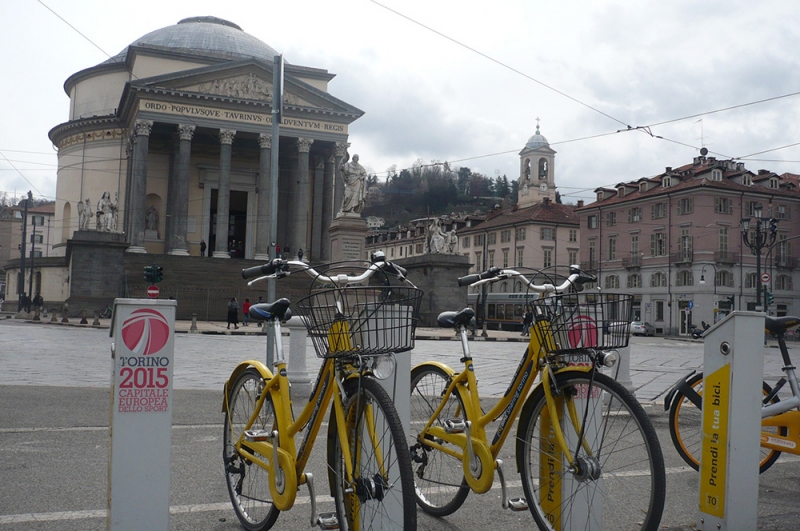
(248, 86)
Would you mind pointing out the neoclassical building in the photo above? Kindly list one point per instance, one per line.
(177, 129)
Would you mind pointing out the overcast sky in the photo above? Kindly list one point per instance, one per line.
(463, 81)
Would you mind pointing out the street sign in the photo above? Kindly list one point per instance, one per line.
(765, 278)
(152, 292)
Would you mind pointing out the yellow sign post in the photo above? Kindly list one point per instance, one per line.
(733, 367)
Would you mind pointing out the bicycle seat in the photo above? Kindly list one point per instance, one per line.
(267, 311)
(778, 325)
(453, 319)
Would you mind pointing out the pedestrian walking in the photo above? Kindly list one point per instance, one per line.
(246, 312)
(233, 314)
(527, 320)
(202, 247)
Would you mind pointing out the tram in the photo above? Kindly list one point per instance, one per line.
(504, 311)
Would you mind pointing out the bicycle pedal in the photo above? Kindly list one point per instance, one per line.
(455, 425)
(328, 521)
(258, 435)
(517, 504)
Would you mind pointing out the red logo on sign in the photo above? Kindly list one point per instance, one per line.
(145, 332)
(582, 333)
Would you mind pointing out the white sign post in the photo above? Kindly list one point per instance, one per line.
(733, 367)
(141, 414)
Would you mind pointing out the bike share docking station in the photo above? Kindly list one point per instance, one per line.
(733, 367)
(141, 414)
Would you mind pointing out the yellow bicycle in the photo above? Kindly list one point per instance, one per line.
(586, 451)
(356, 326)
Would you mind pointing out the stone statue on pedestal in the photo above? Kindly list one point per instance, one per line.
(355, 187)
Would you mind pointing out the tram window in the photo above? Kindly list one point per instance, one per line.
(518, 310)
(510, 312)
(490, 314)
(501, 313)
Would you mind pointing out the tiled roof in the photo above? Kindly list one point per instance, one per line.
(544, 212)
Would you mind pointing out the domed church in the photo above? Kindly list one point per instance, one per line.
(168, 146)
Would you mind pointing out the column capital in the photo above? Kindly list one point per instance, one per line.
(226, 136)
(143, 127)
(304, 144)
(186, 131)
(340, 149)
(265, 141)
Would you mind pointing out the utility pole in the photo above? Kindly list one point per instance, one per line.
(21, 277)
(33, 247)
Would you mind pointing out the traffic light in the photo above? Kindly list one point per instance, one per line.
(730, 299)
(150, 274)
(768, 298)
(158, 273)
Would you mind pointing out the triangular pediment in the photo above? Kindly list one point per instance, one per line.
(246, 80)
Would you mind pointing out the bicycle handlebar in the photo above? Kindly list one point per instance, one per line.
(278, 268)
(576, 278)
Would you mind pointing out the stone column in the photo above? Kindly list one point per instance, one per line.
(180, 213)
(302, 207)
(138, 191)
(264, 186)
(317, 211)
(224, 193)
(169, 229)
(338, 182)
(327, 207)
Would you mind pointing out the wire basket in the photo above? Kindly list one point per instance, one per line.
(574, 322)
(363, 320)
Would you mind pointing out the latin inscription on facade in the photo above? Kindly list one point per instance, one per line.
(192, 111)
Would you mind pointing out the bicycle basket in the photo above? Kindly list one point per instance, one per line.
(364, 320)
(583, 321)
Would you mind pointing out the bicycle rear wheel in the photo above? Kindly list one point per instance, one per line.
(380, 495)
(440, 487)
(619, 483)
(686, 426)
(248, 483)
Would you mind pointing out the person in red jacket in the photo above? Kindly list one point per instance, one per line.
(246, 311)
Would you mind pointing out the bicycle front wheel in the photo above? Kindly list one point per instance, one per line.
(686, 426)
(248, 483)
(440, 487)
(618, 480)
(380, 493)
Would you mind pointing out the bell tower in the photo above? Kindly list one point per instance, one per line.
(537, 171)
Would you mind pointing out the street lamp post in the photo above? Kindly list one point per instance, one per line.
(763, 236)
(703, 281)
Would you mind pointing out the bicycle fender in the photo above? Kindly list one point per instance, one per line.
(674, 389)
(445, 368)
(243, 366)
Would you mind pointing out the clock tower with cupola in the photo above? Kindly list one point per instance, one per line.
(537, 172)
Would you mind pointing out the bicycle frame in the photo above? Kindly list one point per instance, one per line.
(475, 441)
(291, 463)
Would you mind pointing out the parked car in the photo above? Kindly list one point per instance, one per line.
(640, 328)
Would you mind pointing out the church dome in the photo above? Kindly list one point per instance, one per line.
(209, 36)
(537, 140)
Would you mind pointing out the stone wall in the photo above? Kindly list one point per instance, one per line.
(437, 275)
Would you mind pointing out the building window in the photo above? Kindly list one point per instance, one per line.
(392, 252)
(658, 244)
(37, 238)
(666, 181)
(505, 258)
(520, 234)
(751, 280)
(611, 218)
(37, 220)
(612, 248)
(505, 236)
(773, 183)
(573, 235)
(519, 256)
(612, 282)
(659, 310)
(658, 280)
(723, 239)
(685, 243)
(686, 205)
(492, 238)
(490, 256)
(517, 286)
(634, 244)
(419, 247)
(716, 174)
(477, 240)
(465, 241)
(635, 281)
(684, 278)
(478, 261)
(752, 206)
(747, 179)
(783, 282)
(781, 212)
(573, 257)
(547, 257)
(591, 221)
(592, 253)
(634, 214)
(659, 210)
(548, 233)
(723, 205)
(504, 287)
